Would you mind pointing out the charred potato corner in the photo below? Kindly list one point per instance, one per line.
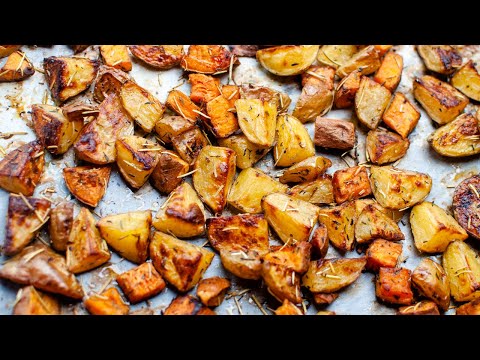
(240, 179)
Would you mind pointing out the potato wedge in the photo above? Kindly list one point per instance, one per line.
(319, 242)
(295, 257)
(189, 144)
(332, 275)
(141, 105)
(292, 219)
(399, 189)
(187, 305)
(221, 121)
(373, 224)
(109, 302)
(384, 146)
(293, 142)
(401, 116)
(69, 76)
(466, 202)
(371, 100)
(161, 57)
(141, 282)
(316, 192)
(395, 215)
(87, 183)
(257, 120)
(116, 56)
(207, 59)
(203, 88)
(86, 250)
(367, 61)
(168, 173)
(306, 170)
(247, 152)
(282, 283)
(6, 50)
(180, 263)
(346, 90)
(17, 68)
(32, 302)
(182, 214)
(350, 183)
(389, 73)
(383, 253)
(430, 280)
(79, 111)
(109, 80)
(181, 104)
(393, 286)
(170, 126)
(471, 308)
(128, 234)
(442, 59)
(467, 80)
(265, 94)
(288, 308)
(424, 307)
(433, 229)
(441, 101)
(336, 55)
(287, 60)
(340, 222)
(212, 291)
(61, 221)
(334, 134)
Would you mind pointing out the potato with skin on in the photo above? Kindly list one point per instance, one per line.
(109, 302)
(141, 282)
(61, 220)
(128, 234)
(393, 286)
(319, 191)
(467, 80)
(319, 242)
(442, 59)
(430, 280)
(399, 189)
(440, 100)
(383, 253)
(22, 168)
(424, 307)
(323, 299)
(389, 73)
(306, 170)
(187, 305)
(340, 222)
(6, 50)
(211, 291)
(295, 257)
(203, 88)
(181, 104)
(395, 215)
(248, 153)
(282, 282)
(87, 183)
(222, 122)
(371, 100)
(287, 60)
(346, 90)
(401, 116)
(288, 308)
(466, 202)
(16, 68)
(207, 59)
(373, 224)
(189, 144)
(162, 57)
(182, 214)
(433, 229)
(350, 183)
(258, 120)
(86, 249)
(171, 126)
(76, 111)
(168, 173)
(471, 308)
(180, 263)
(25, 217)
(33, 302)
(334, 134)
(367, 61)
(384, 146)
(109, 80)
(264, 94)
(116, 56)
(336, 55)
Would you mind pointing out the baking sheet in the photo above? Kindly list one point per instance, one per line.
(359, 298)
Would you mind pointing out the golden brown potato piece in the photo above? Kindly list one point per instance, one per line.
(265, 94)
(395, 215)
(221, 121)
(293, 142)
(282, 282)
(336, 55)
(109, 80)
(17, 68)
(462, 266)
(189, 144)
(319, 242)
(401, 116)
(292, 219)
(383, 253)
(467, 80)
(141, 105)
(6, 50)
(32, 302)
(181, 104)
(459, 138)
(393, 286)
(287, 60)
(25, 217)
(247, 152)
(211, 291)
(466, 202)
(86, 249)
(141, 282)
(136, 159)
(398, 189)
(213, 176)
(334, 134)
(389, 73)
(441, 101)
(346, 90)
(295, 257)
(340, 222)
(351, 183)
(442, 59)
(322, 299)
(306, 170)
(161, 57)
(367, 61)
(87, 183)
(180, 263)
(316, 98)
(187, 305)
(244, 264)
(77, 111)
(168, 173)
(170, 126)
(433, 229)
(471, 308)
(430, 280)
(203, 88)
(373, 224)
(258, 120)
(371, 100)
(332, 275)
(207, 59)
(21, 169)
(384, 146)
(109, 302)
(182, 214)
(40, 266)
(424, 307)
(288, 308)
(128, 234)
(61, 220)
(316, 192)
(116, 56)
(69, 76)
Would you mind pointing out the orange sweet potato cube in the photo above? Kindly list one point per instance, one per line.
(181, 104)
(222, 121)
(204, 88)
(211, 291)
(389, 73)
(187, 305)
(401, 116)
(288, 308)
(141, 283)
(108, 302)
(351, 183)
(394, 286)
(231, 93)
(346, 90)
(383, 253)
(382, 49)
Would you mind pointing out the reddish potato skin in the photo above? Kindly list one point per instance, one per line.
(334, 134)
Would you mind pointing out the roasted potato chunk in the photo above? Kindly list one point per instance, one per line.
(86, 249)
(25, 217)
(441, 101)
(6, 50)
(181, 104)
(40, 266)
(116, 56)
(32, 302)
(383, 253)
(287, 60)
(373, 224)
(462, 266)
(393, 286)
(430, 280)
(332, 275)
(295, 257)
(128, 234)
(211, 291)
(322, 299)
(306, 170)
(207, 59)
(442, 59)
(421, 308)
(170, 126)
(433, 229)
(221, 121)
(293, 142)
(395, 215)
(316, 192)
(466, 202)
(351, 183)
(401, 116)
(389, 73)
(384, 146)
(21, 169)
(189, 144)
(141, 105)
(141, 282)
(334, 134)
(258, 120)
(336, 55)
(346, 90)
(471, 308)
(109, 80)
(69, 76)
(17, 68)
(61, 220)
(204, 88)
(168, 173)
(467, 80)
(282, 282)
(340, 222)
(182, 214)
(87, 183)
(108, 302)
(161, 57)
(371, 100)
(319, 242)
(247, 152)
(288, 308)
(398, 189)
(264, 94)
(367, 61)
(292, 219)
(187, 305)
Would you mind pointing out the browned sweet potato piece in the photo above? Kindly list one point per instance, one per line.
(351, 183)
(141, 283)
(288, 308)
(17, 68)
(401, 116)
(33, 302)
(61, 220)
(424, 307)
(295, 257)
(182, 105)
(161, 57)
(187, 305)
(109, 80)
(383, 253)
(211, 291)
(393, 286)
(334, 134)
(346, 90)
(322, 299)
(390, 72)
(6, 50)
(207, 59)
(108, 302)
(87, 183)
(222, 121)
(116, 56)
(204, 88)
